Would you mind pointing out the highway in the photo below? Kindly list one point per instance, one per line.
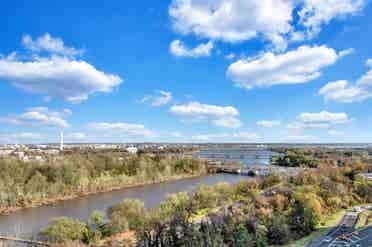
(345, 234)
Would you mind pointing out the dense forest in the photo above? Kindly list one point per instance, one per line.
(258, 212)
(24, 184)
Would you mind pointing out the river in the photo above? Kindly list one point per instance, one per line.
(29, 222)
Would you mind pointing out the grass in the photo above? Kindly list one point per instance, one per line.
(330, 222)
(365, 219)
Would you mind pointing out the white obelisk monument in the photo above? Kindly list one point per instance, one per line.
(61, 143)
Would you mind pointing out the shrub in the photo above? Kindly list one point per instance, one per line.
(128, 215)
(62, 229)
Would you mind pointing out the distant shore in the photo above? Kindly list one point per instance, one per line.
(54, 200)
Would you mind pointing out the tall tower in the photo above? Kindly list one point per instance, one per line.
(61, 143)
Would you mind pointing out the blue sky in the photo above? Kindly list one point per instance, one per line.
(186, 71)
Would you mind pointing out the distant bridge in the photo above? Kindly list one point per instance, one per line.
(243, 156)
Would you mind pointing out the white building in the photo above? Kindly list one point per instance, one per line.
(367, 176)
(132, 150)
(6, 152)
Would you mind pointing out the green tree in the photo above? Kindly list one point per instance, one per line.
(279, 232)
(127, 215)
(63, 228)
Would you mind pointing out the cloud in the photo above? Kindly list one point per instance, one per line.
(21, 137)
(75, 136)
(298, 66)
(226, 137)
(316, 13)
(178, 48)
(203, 18)
(341, 91)
(344, 92)
(40, 116)
(324, 117)
(57, 76)
(301, 138)
(209, 137)
(160, 98)
(274, 20)
(268, 123)
(196, 109)
(222, 116)
(296, 125)
(228, 122)
(369, 63)
(245, 135)
(230, 56)
(122, 128)
(319, 120)
(176, 134)
(49, 44)
(346, 52)
(335, 133)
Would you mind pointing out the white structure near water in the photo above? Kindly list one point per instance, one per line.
(132, 150)
(61, 142)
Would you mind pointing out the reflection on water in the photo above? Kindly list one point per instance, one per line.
(28, 222)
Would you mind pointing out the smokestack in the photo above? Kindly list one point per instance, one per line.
(61, 143)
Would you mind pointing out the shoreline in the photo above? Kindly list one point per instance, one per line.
(57, 199)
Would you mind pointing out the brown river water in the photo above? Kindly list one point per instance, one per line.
(28, 222)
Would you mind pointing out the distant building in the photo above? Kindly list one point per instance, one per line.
(132, 150)
(366, 176)
(20, 154)
(6, 152)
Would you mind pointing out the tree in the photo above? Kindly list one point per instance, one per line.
(242, 237)
(303, 219)
(279, 232)
(128, 215)
(63, 229)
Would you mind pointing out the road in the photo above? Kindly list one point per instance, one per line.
(345, 234)
(362, 238)
(365, 237)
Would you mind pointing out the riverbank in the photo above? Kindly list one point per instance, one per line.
(29, 222)
(57, 199)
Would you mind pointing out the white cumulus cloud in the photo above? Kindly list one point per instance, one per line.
(345, 92)
(122, 128)
(228, 122)
(319, 120)
(232, 20)
(298, 66)
(179, 49)
(159, 98)
(49, 44)
(75, 136)
(57, 76)
(23, 137)
(40, 116)
(335, 133)
(316, 13)
(369, 63)
(268, 123)
(324, 117)
(222, 116)
(274, 20)
(242, 136)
